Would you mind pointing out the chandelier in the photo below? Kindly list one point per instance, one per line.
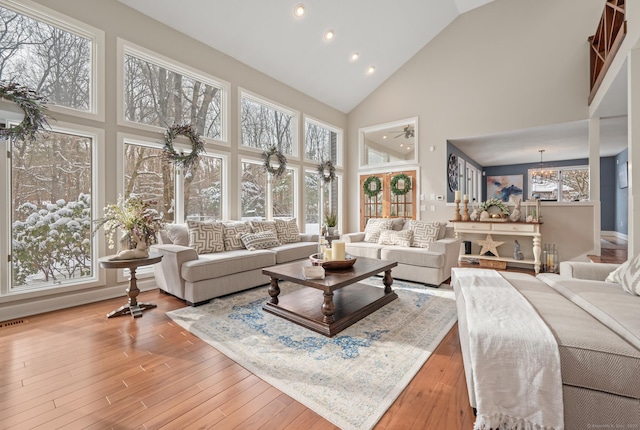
(541, 175)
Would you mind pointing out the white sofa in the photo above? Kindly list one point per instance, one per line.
(597, 329)
(430, 265)
(199, 278)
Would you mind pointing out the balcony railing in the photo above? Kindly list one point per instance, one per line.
(605, 42)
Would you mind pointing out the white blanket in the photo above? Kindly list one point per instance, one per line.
(514, 356)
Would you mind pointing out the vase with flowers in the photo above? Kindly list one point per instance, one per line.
(138, 223)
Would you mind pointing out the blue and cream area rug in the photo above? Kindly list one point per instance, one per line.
(350, 379)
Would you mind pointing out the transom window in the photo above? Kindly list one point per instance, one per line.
(321, 142)
(161, 94)
(263, 125)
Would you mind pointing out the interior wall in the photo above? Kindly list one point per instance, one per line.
(621, 195)
(508, 65)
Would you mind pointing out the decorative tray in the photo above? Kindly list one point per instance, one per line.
(348, 262)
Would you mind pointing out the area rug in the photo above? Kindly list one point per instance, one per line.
(350, 379)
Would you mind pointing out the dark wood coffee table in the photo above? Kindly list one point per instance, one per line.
(344, 302)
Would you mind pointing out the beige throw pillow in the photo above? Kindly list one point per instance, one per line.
(232, 231)
(391, 237)
(206, 237)
(424, 233)
(631, 277)
(261, 240)
(287, 230)
(373, 228)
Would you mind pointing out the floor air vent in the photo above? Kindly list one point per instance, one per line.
(12, 323)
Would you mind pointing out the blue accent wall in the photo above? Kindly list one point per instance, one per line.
(608, 183)
(621, 196)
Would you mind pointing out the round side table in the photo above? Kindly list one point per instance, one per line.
(132, 307)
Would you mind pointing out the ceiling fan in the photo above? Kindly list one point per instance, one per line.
(408, 132)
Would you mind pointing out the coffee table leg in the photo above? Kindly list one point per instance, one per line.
(387, 280)
(274, 291)
(328, 308)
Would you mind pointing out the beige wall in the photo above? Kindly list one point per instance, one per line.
(509, 65)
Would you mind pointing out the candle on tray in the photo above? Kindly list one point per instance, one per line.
(328, 254)
(465, 197)
(338, 250)
(457, 195)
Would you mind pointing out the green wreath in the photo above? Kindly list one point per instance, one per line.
(197, 145)
(497, 203)
(394, 184)
(34, 109)
(266, 158)
(327, 165)
(368, 189)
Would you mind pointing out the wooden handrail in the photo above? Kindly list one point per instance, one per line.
(609, 35)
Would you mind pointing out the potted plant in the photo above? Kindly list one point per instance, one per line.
(331, 220)
(136, 219)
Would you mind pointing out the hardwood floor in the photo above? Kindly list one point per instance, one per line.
(77, 369)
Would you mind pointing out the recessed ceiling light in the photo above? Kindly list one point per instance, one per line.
(298, 10)
(370, 70)
(329, 35)
(384, 137)
(402, 144)
(355, 56)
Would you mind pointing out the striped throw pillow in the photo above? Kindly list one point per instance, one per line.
(261, 240)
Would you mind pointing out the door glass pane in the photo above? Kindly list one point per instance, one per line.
(51, 210)
(147, 175)
(203, 190)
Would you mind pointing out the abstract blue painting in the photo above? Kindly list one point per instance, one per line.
(503, 187)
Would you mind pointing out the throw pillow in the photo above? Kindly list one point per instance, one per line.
(616, 276)
(424, 233)
(631, 277)
(231, 231)
(205, 237)
(391, 237)
(373, 228)
(260, 226)
(287, 230)
(178, 234)
(260, 240)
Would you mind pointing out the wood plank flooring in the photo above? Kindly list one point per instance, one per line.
(76, 369)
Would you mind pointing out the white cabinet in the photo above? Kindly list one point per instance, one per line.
(529, 229)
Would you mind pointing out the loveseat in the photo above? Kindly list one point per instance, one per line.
(596, 325)
(425, 251)
(202, 261)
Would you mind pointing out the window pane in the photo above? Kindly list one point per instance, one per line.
(318, 142)
(51, 210)
(254, 189)
(264, 126)
(149, 176)
(154, 95)
(283, 195)
(47, 59)
(312, 201)
(203, 190)
(575, 185)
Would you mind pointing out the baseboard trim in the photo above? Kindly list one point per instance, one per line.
(31, 307)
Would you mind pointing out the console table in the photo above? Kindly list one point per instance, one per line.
(133, 307)
(503, 228)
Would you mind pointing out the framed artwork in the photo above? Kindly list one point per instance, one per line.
(503, 187)
(623, 175)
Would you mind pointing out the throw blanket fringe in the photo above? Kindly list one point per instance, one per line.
(514, 357)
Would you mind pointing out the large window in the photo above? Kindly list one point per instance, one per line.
(147, 173)
(161, 94)
(253, 200)
(51, 210)
(562, 184)
(322, 142)
(56, 60)
(263, 125)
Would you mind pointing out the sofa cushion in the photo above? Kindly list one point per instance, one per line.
(397, 223)
(287, 230)
(424, 233)
(211, 266)
(363, 249)
(412, 256)
(260, 240)
(373, 227)
(232, 230)
(393, 237)
(178, 234)
(205, 237)
(294, 251)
